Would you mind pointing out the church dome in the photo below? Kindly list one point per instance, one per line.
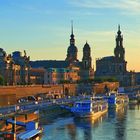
(86, 47)
(72, 49)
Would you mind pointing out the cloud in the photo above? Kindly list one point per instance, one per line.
(131, 7)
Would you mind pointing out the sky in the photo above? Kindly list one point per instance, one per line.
(43, 27)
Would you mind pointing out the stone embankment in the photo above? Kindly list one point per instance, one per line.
(10, 94)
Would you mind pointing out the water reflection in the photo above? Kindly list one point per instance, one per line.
(122, 124)
(72, 131)
(87, 125)
(118, 118)
(134, 107)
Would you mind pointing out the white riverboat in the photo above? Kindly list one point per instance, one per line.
(117, 100)
(90, 108)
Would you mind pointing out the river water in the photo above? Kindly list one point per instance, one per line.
(123, 124)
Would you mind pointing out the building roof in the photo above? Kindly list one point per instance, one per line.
(107, 58)
(49, 64)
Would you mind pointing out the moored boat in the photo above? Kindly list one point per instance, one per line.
(86, 108)
(117, 100)
(33, 132)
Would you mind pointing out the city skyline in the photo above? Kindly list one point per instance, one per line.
(42, 28)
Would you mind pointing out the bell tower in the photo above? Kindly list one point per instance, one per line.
(86, 57)
(119, 51)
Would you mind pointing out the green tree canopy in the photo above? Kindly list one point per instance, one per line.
(1, 80)
(105, 79)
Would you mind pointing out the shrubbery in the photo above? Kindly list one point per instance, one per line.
(1, 80)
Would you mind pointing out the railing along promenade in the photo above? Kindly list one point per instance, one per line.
(36, 105)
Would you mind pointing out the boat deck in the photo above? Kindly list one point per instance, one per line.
(28, 134)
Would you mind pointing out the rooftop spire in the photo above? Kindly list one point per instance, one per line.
(72, 27)
(119, 31)
(119, 27)
(72, 40)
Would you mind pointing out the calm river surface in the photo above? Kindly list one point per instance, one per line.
(123, 124)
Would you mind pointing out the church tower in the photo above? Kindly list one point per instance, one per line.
(86, 61)
(119, 51)
(72, 49)
(87, 72)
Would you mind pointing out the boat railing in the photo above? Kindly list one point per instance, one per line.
(81, 109)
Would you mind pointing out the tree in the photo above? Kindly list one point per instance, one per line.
(105, 79)
(85, 81)
(1, 80)
(110, 79)
(98, 80)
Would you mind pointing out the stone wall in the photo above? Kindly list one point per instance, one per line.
(10, 94)
(23, 91)
(7, 99)
(96, 88)
(100, 88)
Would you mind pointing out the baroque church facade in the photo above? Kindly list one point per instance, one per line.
(17, 69)
(116, 66)
(83, 68)
(86, 70)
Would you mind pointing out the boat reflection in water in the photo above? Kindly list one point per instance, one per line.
(87, 126)
(118, 118)
(110, 126)
(120, 124)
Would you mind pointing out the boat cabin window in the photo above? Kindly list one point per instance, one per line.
(77, 105)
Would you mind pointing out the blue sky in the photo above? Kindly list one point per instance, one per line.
(42, 27)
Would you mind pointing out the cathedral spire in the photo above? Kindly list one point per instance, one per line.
(119, 27)
(72, 27)
(72, 40)
(119, 31)
(72, 49)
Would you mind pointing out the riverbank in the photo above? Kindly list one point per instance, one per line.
(10, 94)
